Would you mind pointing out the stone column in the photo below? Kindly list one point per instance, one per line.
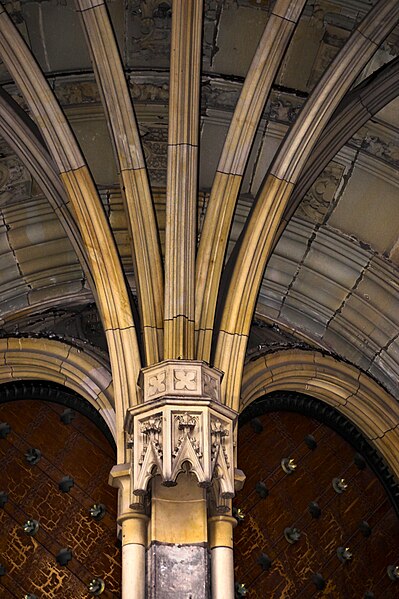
(133, 528)
(177, 556)
(182, 454)
(222, 561)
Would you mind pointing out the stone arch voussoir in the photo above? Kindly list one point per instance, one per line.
(372, 409)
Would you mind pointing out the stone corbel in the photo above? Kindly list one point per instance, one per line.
(219, 504)
(181, 423)
(120, 477)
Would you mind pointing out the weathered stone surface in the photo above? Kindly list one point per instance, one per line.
(178, 571)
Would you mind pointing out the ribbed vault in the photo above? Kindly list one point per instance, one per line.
(186, 179)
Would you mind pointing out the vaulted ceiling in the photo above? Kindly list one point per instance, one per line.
(332, 280)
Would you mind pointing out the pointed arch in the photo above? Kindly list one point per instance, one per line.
(339, 384)
(47, 359)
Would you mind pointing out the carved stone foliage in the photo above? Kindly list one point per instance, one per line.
(16, 95)
(15, 180)
(333, 40)
(156, 91)
(145, 89)
(220, 95)
(260, 4)
(185, 379)
(212, 12)
(316, 202)
(149, 28)
(210, 386)
(5, 149)
(13, 7)
(216, 94)
(171, 436)
(77, 92)
(3, 175)
(378, 142)
(181, 423)
(155, 142)
(391, 44)
(156, 384)
(283, 107)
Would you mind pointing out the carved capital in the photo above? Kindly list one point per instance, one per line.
(180, 378)
(181, 423)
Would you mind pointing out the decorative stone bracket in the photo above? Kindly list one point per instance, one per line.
(181, 421)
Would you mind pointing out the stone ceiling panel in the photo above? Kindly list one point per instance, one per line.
(92, 133)
(56, 35)
(338, 294)
(368, 210)
(236, 49)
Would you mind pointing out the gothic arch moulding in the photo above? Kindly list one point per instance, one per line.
(339, 384)
(46, 359)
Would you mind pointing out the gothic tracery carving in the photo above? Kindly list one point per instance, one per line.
(172, 429)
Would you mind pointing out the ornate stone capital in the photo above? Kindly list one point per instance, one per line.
(180, 379)
(181, 421)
